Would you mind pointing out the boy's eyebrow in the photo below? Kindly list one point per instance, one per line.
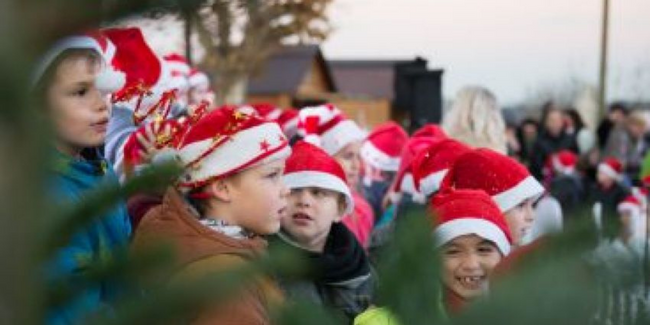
(486, 242)
(84, 83)
(270, 169)
(450, 245)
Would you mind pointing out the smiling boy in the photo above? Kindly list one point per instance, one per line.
(473, 237)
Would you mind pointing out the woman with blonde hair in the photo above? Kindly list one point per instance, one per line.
(475, 119)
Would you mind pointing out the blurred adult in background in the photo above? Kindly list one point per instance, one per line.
(628, 144)
(551, 139)
(527, 133)
(476, 120)
(584, 138)
(617, 113)
(512, 142)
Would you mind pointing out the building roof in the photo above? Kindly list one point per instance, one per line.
(373, 78)
(287, 69)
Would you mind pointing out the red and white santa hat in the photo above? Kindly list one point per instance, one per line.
(178, 63)
(199, 80)
(147, 90)
(108, 80)
(327, 127)
(630, 204)
(267, 111)
(133, 149)
(383, 147)
(310, 166)
(564, 162)
(404, 182)
(469, 212)
(431, 165)
(288, 121)
(641, 194)
(227, 141)
(179, 70)
(611, 167)
(431, 131)
(506, 180)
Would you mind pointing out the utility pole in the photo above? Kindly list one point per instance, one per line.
(602, 86)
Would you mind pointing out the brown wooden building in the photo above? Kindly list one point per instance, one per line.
(294, 77)
(300, 76)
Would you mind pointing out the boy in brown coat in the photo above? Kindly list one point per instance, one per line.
(231, 193)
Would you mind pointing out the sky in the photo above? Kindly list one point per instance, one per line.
(513, 47)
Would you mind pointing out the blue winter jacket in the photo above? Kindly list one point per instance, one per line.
(100, 241)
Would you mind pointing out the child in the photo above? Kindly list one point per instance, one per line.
(633, 220)
(319, 199)
(327, 127)
(566, 184)
(508, 182)
(200, 88)
(230, 193)
(145, 96)
(405, 191)
(403, 198)
(381, 154)
(430, 130)
(607, 192)
(403, 195)
(473, 237)
(67, 82)
(431, 165)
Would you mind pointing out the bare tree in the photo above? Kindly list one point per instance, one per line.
(239, 35)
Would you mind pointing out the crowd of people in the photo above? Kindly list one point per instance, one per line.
(315, 182)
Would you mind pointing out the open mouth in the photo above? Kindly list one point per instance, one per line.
(301, 217)
(101, 125)
(471, 282)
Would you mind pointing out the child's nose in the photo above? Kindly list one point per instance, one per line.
(100, 101)
(471, 262)
(303, 201)
(530, 213)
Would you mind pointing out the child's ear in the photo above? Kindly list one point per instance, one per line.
(342, 203)
(220, 189)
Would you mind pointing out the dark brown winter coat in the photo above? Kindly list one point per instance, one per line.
(201, 251)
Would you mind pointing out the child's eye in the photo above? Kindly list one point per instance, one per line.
(273, 175)
(81, 92)
(452, 252)
(486, 249)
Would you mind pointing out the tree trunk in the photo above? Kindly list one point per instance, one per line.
(187, 33)
(237, 90)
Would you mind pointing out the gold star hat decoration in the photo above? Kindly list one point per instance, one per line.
(225, 142)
